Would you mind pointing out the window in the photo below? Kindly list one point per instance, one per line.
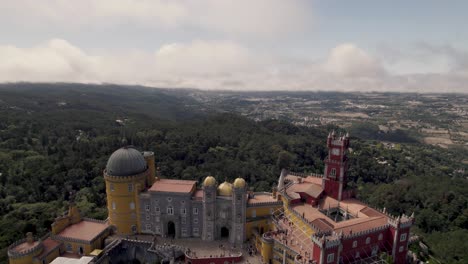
(374, 251)
(132, 206)
(330, 258)
(195, 211)
(182, 202)
(148, 217)
(130, 187)
(354, 243)
(111, 187)
(333, 172)
(357, 255)
(195, 220)
(401, 249)
(238, 197)
(148, 227)
(183, 211)
(134, 229)
(380, 236)
(170, 210)
(169, 199)
(254, 213)
(156, 201)
(368, 240)
(147, 207)
(157, 210)
(113, 206)
(195, 231)
(271, 211)
(69, 247)
(403, 237)
(222, 214)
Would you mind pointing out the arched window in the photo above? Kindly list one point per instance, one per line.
(354, 243)
(380, 236)
(132, 206)
(368, 240)
(114, 206)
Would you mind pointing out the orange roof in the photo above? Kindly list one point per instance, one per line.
(367, 217)
(25, 246)
(49, 245)
(84, 230)
(177, 186)
(198, 195)
(261, 198)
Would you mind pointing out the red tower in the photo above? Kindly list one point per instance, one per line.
(336, 166)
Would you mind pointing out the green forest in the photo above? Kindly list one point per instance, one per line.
(56, 139)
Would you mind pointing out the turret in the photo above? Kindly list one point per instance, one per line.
(239, 208)
(335, 173)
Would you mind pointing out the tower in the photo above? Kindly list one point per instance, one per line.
(209, 208)
(336, 166)
(239, 207)
(127, 174)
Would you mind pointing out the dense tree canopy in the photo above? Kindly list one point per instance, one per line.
(49, 149)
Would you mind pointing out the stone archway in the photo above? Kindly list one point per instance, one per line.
(171, 232)
(224, 232)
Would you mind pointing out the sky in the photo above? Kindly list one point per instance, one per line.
(392, 46)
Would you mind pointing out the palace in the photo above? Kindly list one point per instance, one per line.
(305, 219)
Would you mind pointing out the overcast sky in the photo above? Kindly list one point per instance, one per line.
(418, 46)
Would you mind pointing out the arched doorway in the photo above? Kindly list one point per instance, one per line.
(170, 229)
(224, 232)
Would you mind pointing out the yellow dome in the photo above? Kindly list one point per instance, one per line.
(209, 181)
(239, 183)
(225, 189)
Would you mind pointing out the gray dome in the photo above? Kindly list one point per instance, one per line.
(126, 161)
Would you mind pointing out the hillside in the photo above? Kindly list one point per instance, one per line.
(56, 138)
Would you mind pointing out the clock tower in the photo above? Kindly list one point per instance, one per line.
(336, 166)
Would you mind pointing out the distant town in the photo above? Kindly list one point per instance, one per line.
(436, 119)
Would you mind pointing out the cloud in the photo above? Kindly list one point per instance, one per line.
(219, 65)
(260, 18)
(347, 60)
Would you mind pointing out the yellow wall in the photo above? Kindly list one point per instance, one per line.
(121, 217)
(267, 248)
(87, 248)
(23, 260)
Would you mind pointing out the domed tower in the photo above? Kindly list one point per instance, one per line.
(209, 208)
(239, 207)
(127, 173)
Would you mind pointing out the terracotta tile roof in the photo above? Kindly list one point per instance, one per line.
(84, 230)
(198, 195)
(49, 245)
(367, 217)
(25, 246)
(310, 189)
(261, 198)
(177, 186)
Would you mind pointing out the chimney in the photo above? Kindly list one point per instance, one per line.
(29, 238)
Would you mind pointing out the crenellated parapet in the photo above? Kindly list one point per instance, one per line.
(25, 247)
(402, 221)
(324, 241)
(305, 175)
(352, 235)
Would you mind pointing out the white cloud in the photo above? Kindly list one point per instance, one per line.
(347, 60)
(217, 65)
(259, 18)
